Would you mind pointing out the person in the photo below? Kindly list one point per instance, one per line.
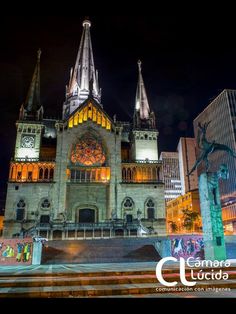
(19, 251)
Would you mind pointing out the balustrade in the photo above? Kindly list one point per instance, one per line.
(141, 173)
(31, 171)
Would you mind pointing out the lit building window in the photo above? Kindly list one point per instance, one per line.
(90, 112)
(31, 172)
(80, 175)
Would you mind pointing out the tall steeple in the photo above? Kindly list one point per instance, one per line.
(143, 117)
(84, 77)
(32, 109)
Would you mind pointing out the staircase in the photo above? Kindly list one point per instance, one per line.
(72, 282)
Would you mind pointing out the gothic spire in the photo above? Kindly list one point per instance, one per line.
(143, 117)
(31, 109)
(84, 72)
(141, 96)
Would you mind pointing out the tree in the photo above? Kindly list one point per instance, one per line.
(173, 226)
(189, 218)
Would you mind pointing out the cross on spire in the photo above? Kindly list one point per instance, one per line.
(84, 72)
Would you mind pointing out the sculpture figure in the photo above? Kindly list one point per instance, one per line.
(208, 147)
(209, 193)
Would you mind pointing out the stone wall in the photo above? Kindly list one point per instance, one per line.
(111, 141)
(33, 195)
(140, 193)
(92, 196)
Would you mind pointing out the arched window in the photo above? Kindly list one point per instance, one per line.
(150, 206)
(20, 211)
(128, 174)
(46, 174)
(134, 175)
(45, 204)
(128, 203)
(124, 174)
(51, 174)
(40, 173)
(127, 208)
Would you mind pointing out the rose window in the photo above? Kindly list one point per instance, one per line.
(88, 152)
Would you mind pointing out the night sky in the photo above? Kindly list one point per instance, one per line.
(186, 63)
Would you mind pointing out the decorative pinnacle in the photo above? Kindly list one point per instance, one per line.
(39, 53)
(86, 22)
(139, 65)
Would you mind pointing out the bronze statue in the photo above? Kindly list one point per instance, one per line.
(208, 147)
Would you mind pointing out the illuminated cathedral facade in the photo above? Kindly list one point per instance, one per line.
(86, 173)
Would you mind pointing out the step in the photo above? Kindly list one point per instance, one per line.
(91, 273)
(75, 271)
(102, 290)
(83, 280)
(80, 281)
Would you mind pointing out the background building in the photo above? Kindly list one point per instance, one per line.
(85, 168)
(171, 175)
(222, 129)
(175, 215)
(187, 158)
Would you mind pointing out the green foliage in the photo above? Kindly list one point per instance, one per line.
(189, 218)
(173, 226)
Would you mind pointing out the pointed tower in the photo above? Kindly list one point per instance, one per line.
(144, 134)
(84, 77)
(31, 109)
(143, 117)
(30, 123)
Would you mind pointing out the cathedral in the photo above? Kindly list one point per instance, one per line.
(86, 175)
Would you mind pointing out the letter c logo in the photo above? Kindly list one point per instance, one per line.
(159, 271)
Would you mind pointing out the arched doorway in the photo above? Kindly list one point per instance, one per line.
(150, 213)
(86, 215)
(129, 219)
(44, 219)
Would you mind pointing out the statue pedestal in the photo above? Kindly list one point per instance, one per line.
(37, 253)
(163, 247)
(213, 233)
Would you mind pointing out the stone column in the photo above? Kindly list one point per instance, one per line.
(163, 247)
(213, 233)
(37, 253)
